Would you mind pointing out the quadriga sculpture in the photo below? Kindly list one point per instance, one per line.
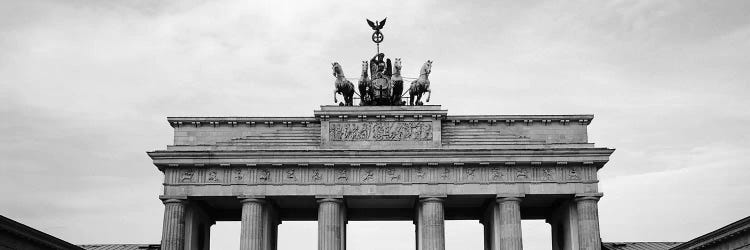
(342, 86)
(421, 85)
(365, 88)
(398, 83)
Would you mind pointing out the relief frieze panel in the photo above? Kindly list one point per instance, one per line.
(362, 175)
(380, 131)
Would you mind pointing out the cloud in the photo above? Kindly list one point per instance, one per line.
(85, 87)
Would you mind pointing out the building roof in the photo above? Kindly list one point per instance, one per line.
(33, 236)
(638, 245)
(736, 229)
(121, 247)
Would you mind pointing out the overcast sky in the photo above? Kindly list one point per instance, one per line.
(86, 86)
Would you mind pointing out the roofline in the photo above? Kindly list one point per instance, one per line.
(30, 233)
(717, 235)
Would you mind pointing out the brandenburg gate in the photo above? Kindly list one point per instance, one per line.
(361, 163)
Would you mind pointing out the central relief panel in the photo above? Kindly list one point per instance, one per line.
(381, 134)
(380, 131)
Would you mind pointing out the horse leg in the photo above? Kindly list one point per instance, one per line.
(334, 97)
(429, 93)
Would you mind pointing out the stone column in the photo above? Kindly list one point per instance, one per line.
(588, 221)
(252, 226)
(418, 226)
(506, 224)
(432, 233)
(330, 223)
(173, 231)
(270, 226)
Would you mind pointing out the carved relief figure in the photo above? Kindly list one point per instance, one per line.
(470, 173)
(290, 175)
(549, 174)
(342, 175)
(522, 174)
(573, 175)
(264, 174)
(446, 173)
(238, 174)
(187, 176)
(369, 175)
(495, 174)
(420, 173)
(316, 175)
(391, 172)
(212, 176)
(380, 131)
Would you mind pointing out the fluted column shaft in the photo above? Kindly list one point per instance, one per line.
(330, 224)
(252, 226)
(173, 230)
(506, 224)
(588, 222)
(433, 224)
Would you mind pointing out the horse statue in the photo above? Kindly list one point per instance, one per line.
(398, 83)
(421, 85)
(343, 86)
(365, 86)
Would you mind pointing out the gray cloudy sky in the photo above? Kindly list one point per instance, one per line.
(85, 87)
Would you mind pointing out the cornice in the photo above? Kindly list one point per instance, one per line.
(594, 156)
(238, 121)
(582, 119)
(198, 121)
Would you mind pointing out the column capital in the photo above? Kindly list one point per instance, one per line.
(252, 198)
(335, 199)
(329, 197)
(509, 197)
(588, 196)
(173, 199)
(431, 199)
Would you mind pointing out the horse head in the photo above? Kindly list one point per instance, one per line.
(337, 69)
(365, 67)
(397, 66)
(426, 68)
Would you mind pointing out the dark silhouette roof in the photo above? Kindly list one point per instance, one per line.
(25, 236)
(121, 247)
(638, 245)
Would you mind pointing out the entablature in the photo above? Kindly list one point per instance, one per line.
(594, 156)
